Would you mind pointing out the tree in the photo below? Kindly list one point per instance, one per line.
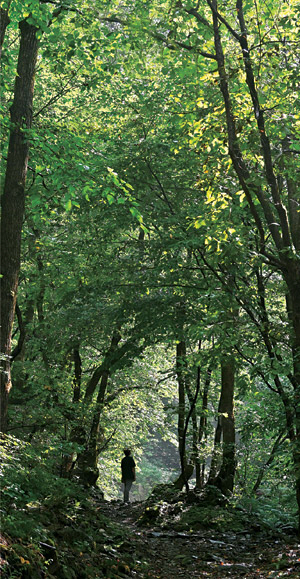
(281, 222)
(270, 191)
(13, 198)
(148, 224)
(32, 24)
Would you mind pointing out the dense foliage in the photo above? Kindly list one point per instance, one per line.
(150, 250)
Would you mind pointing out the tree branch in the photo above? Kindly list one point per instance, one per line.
(212, 6)
(160, 186)
(59, 94)
(238, 161)
(22, 335)
(201, 19)
(265, 143)
(92, 384)
(279, 440)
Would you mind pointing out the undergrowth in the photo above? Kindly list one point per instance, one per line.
(53, 527)
(209, 509)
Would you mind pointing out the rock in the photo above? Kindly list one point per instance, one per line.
(165, 492)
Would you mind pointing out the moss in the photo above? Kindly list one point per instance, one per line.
(199, 517)
(196, 510)
(165, 492)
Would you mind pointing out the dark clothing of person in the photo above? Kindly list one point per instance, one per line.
(128, 474)
(127, 466)
(127, 487)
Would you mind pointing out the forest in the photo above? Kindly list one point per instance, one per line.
(150, 288)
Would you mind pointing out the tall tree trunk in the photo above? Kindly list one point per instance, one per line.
(4, 22)
(88, 460)
(222, 469)
(225, 478)
(216, 453)
(13, 199)
(293, 282)
(181, 370)
(200, 468)
(193, 414)
(77, 374)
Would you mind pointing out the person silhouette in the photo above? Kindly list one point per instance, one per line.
(128, 473)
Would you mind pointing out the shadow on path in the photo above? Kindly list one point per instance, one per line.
(163, 553)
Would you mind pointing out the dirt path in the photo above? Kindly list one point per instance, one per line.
(167, 554)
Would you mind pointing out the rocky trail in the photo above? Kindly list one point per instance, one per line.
(175, 537)
(165, 553)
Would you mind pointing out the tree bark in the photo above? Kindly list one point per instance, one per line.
(77, 374)
(180, 369)
(293, 283)
(13, 199)
(200, 468)
(222, 469)
(4, 22)
(193, 414)
(88, 460)
(110, 357)
(225, 478)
